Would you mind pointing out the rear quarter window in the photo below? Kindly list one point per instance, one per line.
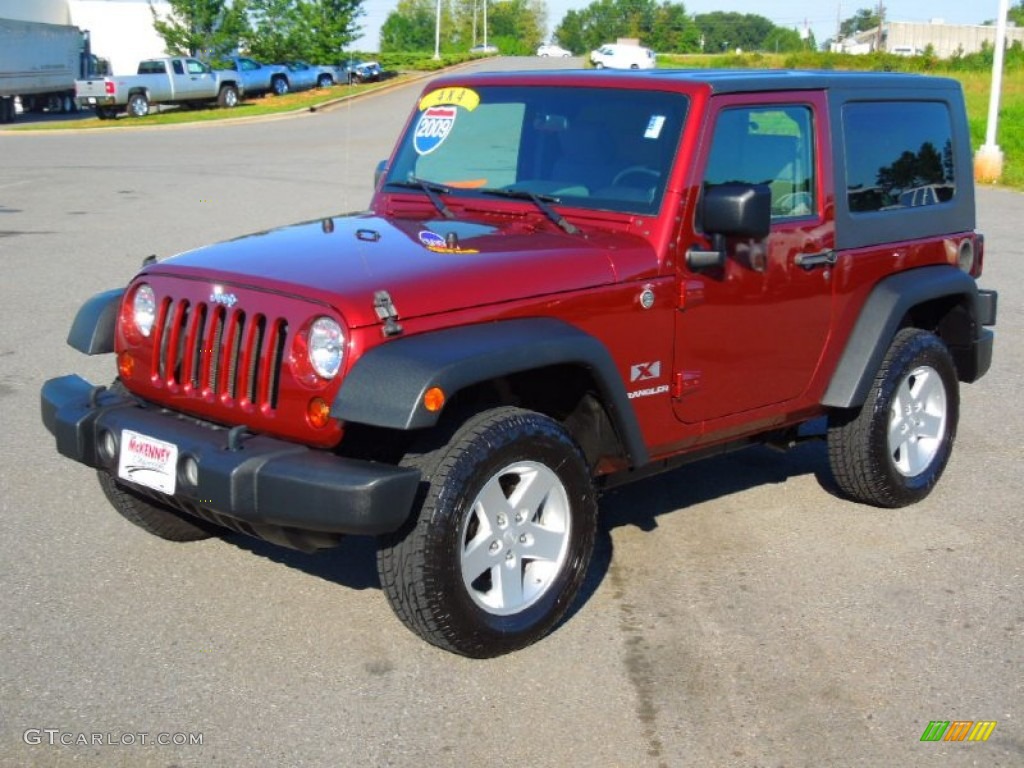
(899, 155)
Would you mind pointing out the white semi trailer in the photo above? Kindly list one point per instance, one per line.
(39, 64)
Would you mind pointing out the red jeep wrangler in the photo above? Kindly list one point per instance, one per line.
(565, 281)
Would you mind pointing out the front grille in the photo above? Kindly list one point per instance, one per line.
(203, 351)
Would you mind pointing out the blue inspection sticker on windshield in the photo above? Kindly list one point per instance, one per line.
(433, 128)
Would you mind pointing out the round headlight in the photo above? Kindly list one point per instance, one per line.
(144, 309)
(326, 347)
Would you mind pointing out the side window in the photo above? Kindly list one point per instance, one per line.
(898, 155)
(178, 69)
(195, 67)
(771, 145)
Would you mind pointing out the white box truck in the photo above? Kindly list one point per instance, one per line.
(39, 64)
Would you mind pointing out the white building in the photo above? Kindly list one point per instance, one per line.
(945, 39)
(121, 30)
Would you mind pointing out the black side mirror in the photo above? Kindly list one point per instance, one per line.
(382, 168)
(731, 210)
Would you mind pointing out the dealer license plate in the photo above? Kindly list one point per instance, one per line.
(147, 461)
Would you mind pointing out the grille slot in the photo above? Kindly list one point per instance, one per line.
(202, 350)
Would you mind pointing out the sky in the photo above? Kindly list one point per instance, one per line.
(821, 16)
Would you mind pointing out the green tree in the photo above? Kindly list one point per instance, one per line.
(665, 27)
(516, 27)
(328, 26)
(207, 28)
(410, 27)
(276, 30)
(861, 21)
(1016, 14)
(782, 40)
(727, 31)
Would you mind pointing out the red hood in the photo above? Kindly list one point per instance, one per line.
(344, 260)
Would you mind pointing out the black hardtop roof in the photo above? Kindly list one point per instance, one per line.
(737, 80)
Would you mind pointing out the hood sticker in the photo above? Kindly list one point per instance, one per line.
(437, 244)
(433, 128)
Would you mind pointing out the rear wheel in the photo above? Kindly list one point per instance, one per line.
(324, 81)
(106, 113)
(892, 450)
(138, 105)
(499, 546)
(279, 86)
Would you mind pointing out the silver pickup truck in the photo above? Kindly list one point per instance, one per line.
(173, 80)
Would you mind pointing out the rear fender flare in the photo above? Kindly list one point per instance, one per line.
(880, 318)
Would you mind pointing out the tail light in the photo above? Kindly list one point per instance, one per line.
(108, 86)
(979, 255)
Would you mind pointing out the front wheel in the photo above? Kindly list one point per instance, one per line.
(325, 81)
(892, 450)
(499, 546)
(228, 97)
(138, 105)
(279, 86)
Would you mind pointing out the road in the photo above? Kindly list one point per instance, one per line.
(737, 613)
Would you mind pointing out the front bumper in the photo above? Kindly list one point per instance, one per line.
(262, 482)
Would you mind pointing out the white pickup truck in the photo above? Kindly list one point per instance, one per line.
(173, 80)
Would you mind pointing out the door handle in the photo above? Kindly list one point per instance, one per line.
(808, 260)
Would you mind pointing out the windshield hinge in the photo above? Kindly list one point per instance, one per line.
(385, 309)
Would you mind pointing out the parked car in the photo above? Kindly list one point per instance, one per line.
(357, 71)
(484, 49)
(553, 49)
(303, 76)
(175, 80)
(259, 78)
(463, 368)
(620, 56)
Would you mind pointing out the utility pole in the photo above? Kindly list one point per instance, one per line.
(437, 33)
(881, 22)
(485, 25)
(988, 162)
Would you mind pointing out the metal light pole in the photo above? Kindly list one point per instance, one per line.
(988, 162)
(485, 24)
(437, 32)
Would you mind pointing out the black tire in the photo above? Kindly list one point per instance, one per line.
(152, 517)
(511, 595)
(279, 85)
(892, 450)
(106, 113)
(138, 105)
(324, 81)
(228, 97)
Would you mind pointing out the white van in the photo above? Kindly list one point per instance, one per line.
(619, 56)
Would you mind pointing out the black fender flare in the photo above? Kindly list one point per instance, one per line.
(386, 385)
(880, 318)
(92, 331)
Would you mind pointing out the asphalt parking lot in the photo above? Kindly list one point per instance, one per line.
(737, 613)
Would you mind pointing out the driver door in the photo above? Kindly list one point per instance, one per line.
(749, 334)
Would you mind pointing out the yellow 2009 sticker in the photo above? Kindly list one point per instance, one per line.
(466, 98)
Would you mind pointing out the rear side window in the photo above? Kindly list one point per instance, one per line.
(898, 155)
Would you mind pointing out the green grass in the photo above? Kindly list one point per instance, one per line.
(256, 107)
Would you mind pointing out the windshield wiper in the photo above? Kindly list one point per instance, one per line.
(432, 189)
(541, 201)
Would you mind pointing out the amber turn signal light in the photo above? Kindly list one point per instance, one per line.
(318, 412)
(433, 399)
(125, 365)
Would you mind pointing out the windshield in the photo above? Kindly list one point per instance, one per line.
(602, 148)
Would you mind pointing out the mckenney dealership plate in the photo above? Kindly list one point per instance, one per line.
(147, 461)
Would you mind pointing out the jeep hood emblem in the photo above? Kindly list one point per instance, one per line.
(217, 296)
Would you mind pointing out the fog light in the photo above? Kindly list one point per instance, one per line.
(125, 365)
(433, 399)
(318, 412)
(190, 471)
(107, 446)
